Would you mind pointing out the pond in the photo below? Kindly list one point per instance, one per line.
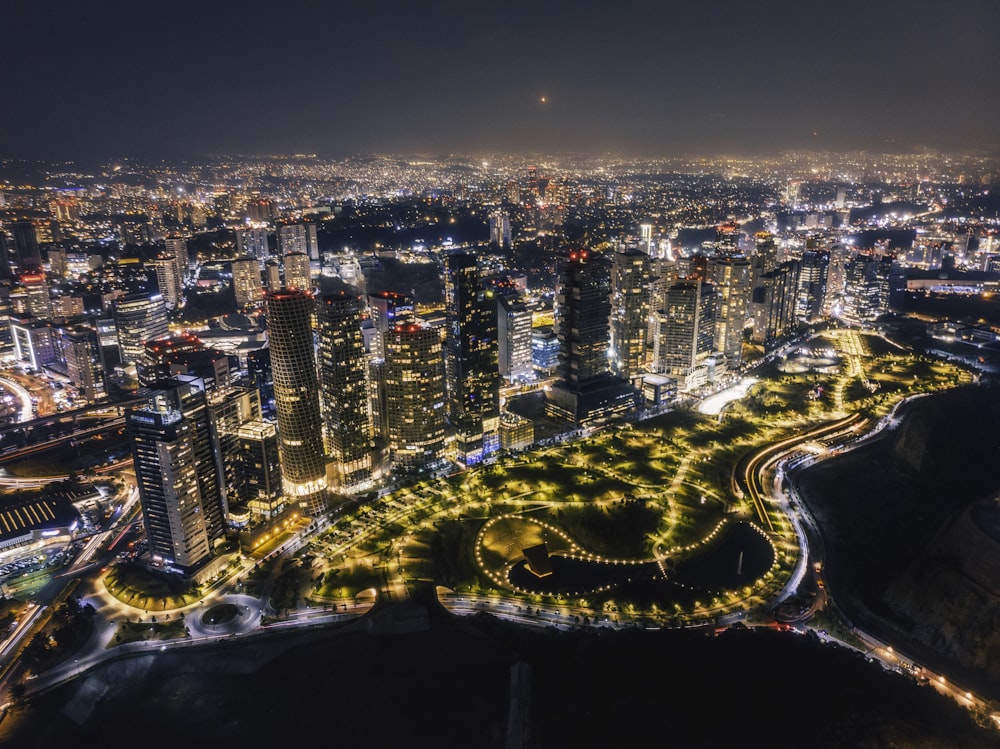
(739, 556)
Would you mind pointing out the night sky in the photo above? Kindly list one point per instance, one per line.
(656, 77)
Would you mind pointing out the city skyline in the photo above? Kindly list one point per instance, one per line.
(637, 78)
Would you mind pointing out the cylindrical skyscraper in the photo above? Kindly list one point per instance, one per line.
(296, 397)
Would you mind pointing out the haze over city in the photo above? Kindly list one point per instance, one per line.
(640, 78)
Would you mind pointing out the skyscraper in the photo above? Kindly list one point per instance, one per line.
(27, 252)
(168, 280)
(514, 339)
(297, 273)
(414, 395)
(687, 329)
(139, 318)
(39, 298)
(253, 242)
(473, 377)
(344, 388)
(246, 282)
(260, 486)
(730, 276)
(773, 305)
(583, 299)
(588, 392)
(296, 396)
(179, 473)
(84, 367)
(177, 246)
(811, 295)
(298, 238)
(630, 280)
(386, 308)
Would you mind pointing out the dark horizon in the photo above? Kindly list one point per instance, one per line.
(643, 79)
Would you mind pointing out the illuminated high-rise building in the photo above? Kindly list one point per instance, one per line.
(260, 485)
(386, 308)
(298, 238)
(811, 294)
(773, 305)
(139, 318)
(344, 390)
(765, 257)
(588, 392)
(500, 229)
(414, 398)
(246, 282)
(272, 275)
(179, 474)
(514, 339)
(583, 299)
(687, 328)
(296, 397)
(730, 276)
(473, 377)
(297, 273)
(168, 280)
(39, 298)
(177, 246)
(630, 279)
(84, 365)
(253, 242)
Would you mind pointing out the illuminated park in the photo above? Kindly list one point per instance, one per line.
(658, 520)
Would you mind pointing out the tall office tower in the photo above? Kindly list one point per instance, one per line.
(814, 266)
(57, 262)
(773, 305)
(500, 229)
(631, 275)
(646, 238)
(298, 238)
(473, 376)
(177, 246)
(6, 272)
(835, 277)
(39, 298)
(730, 276)
(296, 397)
(84, 365)
(588, 392)
(231, 408)
(861, 290)
(246, 282)
(27, 252)
(687, 329)
(664, 274)
(252, 242)
(167, 279)
(765, 257)
(344, 390)
(139, 318)
(272, 275)
(727, 239)
(386, 308)
(297, 275)
(514, 339)
(260, 485)
(178, 472)
(260, 377)
(583, 299)
(414, 397)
